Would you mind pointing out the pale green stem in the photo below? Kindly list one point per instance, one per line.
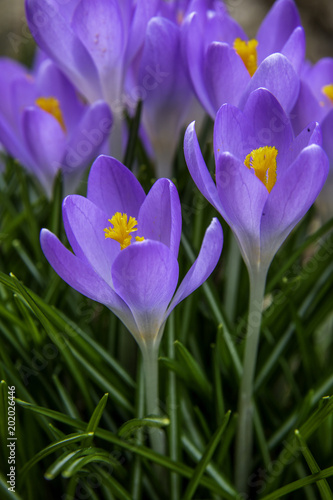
(150, 367)
(233, 265)
(116, 137)
(245, 403)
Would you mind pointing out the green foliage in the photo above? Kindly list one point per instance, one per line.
(80, 423)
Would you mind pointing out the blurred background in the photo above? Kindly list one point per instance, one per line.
(317, 19)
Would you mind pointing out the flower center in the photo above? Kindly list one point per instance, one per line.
(52, 106)
(122, 229)
(263, 162)
(247, 51)
(327, 90)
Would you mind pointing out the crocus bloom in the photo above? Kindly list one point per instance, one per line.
(92, 41)
(45, 125)
(125, 247)
(315, 102)
(166, 102)
(225, 67)
(266, 179)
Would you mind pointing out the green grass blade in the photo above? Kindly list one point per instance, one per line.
(194, 371)
(69, 440)
(297, 485)
(94, 420)
(141, 450)
(60, 463)
(137, 423)
(94, 455)
(5, 494)
(323, 487)
(205, 459)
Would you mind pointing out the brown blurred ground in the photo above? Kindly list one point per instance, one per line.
(316, 15)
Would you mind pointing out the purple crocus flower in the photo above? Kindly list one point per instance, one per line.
(126, 246)
(166, 102)
(266, 179)
(46, 126)
(92, 41)
(224, 66)
(315, 102)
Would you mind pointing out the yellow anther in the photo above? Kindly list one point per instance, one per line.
(327, 90)
(52, 106)
(263, 162)
(122, 229)
(247, 51)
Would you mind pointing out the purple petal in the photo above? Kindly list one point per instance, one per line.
(51, 82)
(165, 89)
(243, 197)
(113, 188)
(306, 109)
(277, 27)
(294, 49)
(160, 216)
(145, 10)
(319, 75)
(84, 224)
(222, 28)
(232, 133)
(203, 266)
(13, 145)
(10, 71)
(277, 75)
(192, 33)
(291, 198)
(100, 27)
(23, 95)
(81, 276)
(198, 169)
(270, 124)
(326, 129)
(88, 136)
(168, 92)
(226, 75)
(310, 135)
(145, 276)
(52, 32)
(45, 141)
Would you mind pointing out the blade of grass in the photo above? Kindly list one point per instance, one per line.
(142, 451)
(323, 487)
(300, 483)
(205, 459)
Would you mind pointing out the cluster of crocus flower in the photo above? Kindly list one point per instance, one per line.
(270, 165)
(45, 125)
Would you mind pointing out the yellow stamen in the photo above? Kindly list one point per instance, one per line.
(263, 162)
(122, 229)
(247, 51)
(52, 106)
(327, 90)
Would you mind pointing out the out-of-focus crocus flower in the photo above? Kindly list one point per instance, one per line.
(225, 67)
(125, 253)
(92, 41)
(168, 98)
(315, 102)
(266, 180)
(45, 126)
(166, 101)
